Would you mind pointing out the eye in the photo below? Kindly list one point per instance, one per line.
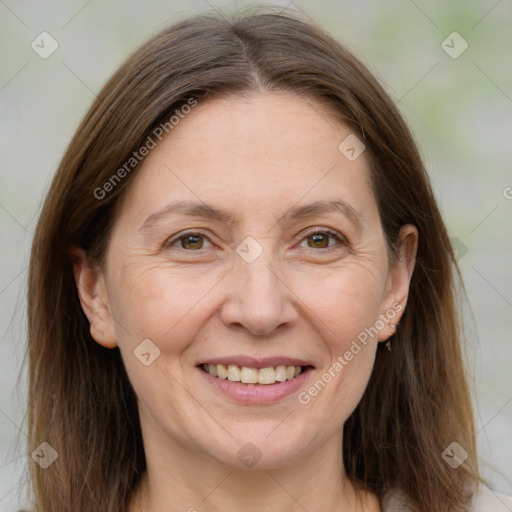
(188, 241)
(316, 239)
(321, 238)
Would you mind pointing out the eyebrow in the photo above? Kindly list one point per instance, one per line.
(202, 210)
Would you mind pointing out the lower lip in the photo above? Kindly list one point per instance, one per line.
(256, 393)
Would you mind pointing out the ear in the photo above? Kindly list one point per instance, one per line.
(399, 281)
(92, 292)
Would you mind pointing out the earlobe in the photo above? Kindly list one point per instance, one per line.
(90, 285)
(400, 280)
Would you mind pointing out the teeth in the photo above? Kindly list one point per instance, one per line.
(266, 376)
(248, 375)
(281, 373)
(222, 371)
(233, 373)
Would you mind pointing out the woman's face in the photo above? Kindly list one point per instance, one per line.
(214, 260)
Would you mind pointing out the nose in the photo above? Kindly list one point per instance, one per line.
(258, 298)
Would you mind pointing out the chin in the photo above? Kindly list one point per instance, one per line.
(258, 448)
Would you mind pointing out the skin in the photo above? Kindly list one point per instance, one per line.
(258, 157)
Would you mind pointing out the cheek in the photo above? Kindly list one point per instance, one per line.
(343, 303)
(159, 303)
(168, 307)
(344, 307)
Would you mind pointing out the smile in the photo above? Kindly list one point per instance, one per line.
(251, 375)
(251, 381)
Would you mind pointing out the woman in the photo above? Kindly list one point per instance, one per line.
(241, 291)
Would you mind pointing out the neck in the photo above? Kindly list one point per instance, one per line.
(181, 478)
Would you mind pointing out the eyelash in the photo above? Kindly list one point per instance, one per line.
(316, 231)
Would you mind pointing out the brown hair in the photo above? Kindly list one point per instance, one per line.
(80, 399)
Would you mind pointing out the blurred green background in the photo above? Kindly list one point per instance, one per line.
(458, 104)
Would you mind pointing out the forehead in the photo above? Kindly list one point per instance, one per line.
(259, 127)
(258, 151)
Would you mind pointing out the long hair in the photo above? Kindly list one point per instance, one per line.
(80, 399)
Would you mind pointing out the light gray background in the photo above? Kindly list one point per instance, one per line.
(460, 110)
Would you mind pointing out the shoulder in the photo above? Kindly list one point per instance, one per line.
(484, 500)
(487, 500)
(396, 500)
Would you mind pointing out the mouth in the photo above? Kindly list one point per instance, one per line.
(252, 381)
(251, 375)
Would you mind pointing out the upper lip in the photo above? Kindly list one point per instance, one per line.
(257, 362)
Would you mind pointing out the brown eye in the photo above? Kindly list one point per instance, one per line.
(191, 242)
(318, 240)
(323, 239)
(188, 241)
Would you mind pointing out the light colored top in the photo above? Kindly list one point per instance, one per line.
(485, 500)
